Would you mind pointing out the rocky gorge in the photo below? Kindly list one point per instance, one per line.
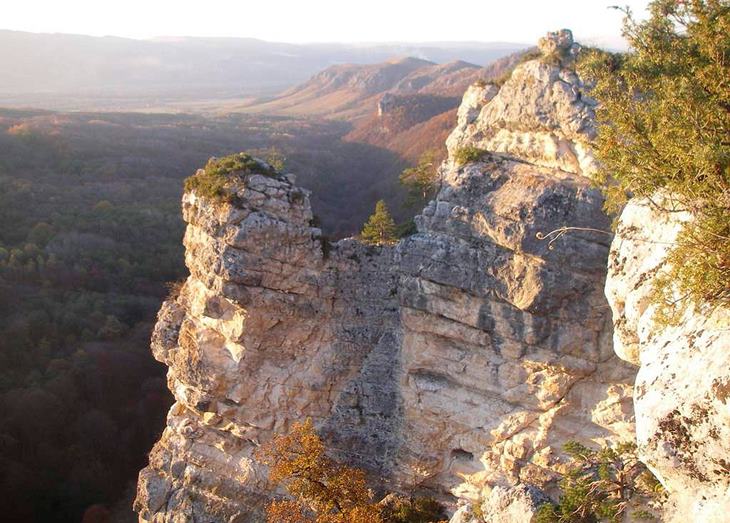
(457, 362)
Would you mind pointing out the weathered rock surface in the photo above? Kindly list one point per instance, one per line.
(266, 331)
(559, 46)
(540, 115)
(518, 504)
(682, 391)
(458, 360)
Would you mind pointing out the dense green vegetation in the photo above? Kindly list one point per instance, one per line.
(664, 135)
(211, 181)
(468, 154)
(90, 236)
(83, 261)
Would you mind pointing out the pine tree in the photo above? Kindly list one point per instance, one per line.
(603, 485)
(421, 180)
(380, 227)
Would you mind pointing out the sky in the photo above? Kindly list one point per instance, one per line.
(303, 21)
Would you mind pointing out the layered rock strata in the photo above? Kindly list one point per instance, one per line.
(458, 360)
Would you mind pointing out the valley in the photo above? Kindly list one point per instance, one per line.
(376, 281)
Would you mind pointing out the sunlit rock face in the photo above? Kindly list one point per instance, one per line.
(267, 330)
(682, 392)
(518, 504)
(458, 360)
(516, 335)
(541, 114)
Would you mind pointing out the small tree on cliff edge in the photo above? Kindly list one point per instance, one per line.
(421, 180)
(664, 118)
(324, 491)
(604, 485)
(380, 227)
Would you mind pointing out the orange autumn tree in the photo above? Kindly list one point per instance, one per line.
(323, 490)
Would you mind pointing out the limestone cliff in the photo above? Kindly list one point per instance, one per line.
(682, 391)
(458, 360)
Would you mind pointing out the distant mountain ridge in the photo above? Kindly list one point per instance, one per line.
(41, 69)
(352, 91)
(407, 105)
(420, 112)
(368, 78)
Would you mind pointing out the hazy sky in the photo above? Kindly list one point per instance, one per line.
(320, 20)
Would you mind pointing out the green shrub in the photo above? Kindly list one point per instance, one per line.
(664, 122)
(502, 79)
(600, 484)
(405, 229)
(211, 182)
(699, 268)
(468, 154)
(276, 159)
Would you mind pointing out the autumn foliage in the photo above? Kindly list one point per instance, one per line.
(322, 490)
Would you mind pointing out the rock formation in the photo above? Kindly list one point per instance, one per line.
(458, 360)
(540, 115)
(519, 504)
(682, 391)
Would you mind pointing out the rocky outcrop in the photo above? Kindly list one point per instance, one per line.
(558, 46)
(267, 330)
(682, 391)
(458, 360)
(518, 504)
(541, 115)
(514, 333)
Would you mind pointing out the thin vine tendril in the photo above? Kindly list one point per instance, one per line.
(556, 234)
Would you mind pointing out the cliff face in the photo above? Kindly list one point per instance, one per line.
(682, 391)
(459, 359)
(265, 331)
